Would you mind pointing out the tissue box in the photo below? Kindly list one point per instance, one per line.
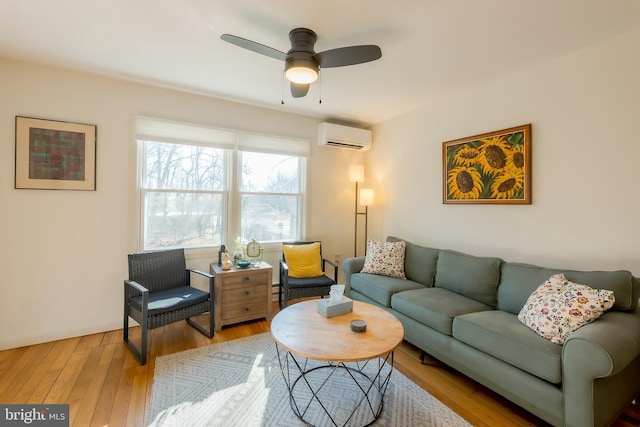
(330, 309)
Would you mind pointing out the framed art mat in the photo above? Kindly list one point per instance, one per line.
(55, 155)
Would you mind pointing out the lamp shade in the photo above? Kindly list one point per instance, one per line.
(301, 74)
(366, 197)
(356, 173)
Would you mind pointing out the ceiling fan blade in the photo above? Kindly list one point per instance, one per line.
(350, 55)
(299, 90)
(254, 46)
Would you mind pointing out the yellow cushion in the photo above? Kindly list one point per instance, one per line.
(303, 260)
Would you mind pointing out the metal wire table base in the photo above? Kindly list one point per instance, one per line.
(318, 390)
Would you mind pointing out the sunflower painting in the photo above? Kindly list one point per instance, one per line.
(493, 167)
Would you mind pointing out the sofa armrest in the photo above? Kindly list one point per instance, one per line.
(350, 266)
(600, 349)
(604, 347)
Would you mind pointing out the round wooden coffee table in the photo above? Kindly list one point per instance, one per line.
(321, 356)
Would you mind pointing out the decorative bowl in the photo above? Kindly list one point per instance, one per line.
(243, 264)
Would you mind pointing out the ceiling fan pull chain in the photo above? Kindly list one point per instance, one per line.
(320, 84)
(283, 79)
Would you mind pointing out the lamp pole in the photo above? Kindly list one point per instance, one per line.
(366, 226)
(355, 238)
(365, 197)
(366, 200)
(356, 174)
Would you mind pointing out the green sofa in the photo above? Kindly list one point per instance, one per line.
(463, 310)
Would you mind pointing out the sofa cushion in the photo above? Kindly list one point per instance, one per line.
(558, 307)
(419, 261)
(381, 288)
(435, 307)
(503, 336)
(518, 281)
(384, 258)
(471, 276)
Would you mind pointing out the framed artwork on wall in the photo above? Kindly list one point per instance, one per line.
(492, 168)
(55, 155)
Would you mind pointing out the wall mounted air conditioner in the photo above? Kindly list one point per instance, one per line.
(332, 135)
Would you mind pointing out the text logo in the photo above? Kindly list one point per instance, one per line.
(34, 415)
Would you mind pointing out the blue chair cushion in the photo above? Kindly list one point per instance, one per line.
(306, 282)
(171, 299)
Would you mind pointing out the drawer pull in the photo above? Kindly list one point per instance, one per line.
(247, 293)
(245, 309)
(246, 278)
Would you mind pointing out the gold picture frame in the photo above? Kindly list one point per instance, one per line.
(55, 155)
(491, 168)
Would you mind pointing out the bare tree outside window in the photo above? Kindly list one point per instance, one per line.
(183, 191)
(270, 191)
(186, 191)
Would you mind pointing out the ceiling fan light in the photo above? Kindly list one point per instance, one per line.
(301, 75)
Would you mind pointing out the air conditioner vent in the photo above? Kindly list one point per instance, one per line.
(339, 136)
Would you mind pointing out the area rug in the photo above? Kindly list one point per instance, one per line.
(240, 383)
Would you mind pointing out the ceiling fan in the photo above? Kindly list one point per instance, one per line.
(301, 62)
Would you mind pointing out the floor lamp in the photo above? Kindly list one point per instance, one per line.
(356, 174)
(365, 198)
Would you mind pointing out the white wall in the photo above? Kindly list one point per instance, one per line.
(63, 253)
(584, 109)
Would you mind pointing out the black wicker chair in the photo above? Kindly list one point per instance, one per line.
(159, 292)
(292, 287)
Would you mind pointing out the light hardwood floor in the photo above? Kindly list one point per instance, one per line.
(104, 385)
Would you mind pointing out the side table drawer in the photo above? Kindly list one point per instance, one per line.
(244, 295)
(249, 279)
(240, 312)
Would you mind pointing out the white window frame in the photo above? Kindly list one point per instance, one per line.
(300, 195)
(233, 141)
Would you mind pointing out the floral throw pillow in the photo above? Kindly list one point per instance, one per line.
(385, 259)
(558, 307)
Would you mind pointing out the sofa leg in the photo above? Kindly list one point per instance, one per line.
(422, 356)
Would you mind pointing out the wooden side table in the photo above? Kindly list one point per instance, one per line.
(241, 294)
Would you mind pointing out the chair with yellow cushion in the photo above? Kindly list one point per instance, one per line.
(302, 272)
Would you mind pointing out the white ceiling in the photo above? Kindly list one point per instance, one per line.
(428, 46)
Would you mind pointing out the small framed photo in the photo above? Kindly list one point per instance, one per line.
(55, 155)
(492, 168)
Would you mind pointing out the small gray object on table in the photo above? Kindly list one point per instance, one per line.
(358, 325)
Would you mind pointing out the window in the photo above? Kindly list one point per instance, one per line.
(201, 186)
(271, 196)
(183, 194)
